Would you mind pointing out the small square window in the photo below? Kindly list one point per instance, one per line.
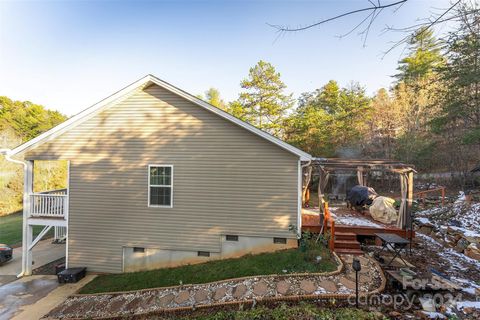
(139, 249)
(203, 254)
(230, 237)
(280, 240)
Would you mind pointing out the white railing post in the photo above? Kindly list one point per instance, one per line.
(66, 201)
(27, 211)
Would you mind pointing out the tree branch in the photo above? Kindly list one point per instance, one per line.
(374, 7)
(423, 28)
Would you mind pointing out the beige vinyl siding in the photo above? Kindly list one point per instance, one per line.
(227, 180)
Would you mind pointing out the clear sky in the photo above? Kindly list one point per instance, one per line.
(68, 55)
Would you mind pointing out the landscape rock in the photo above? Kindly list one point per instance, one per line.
(239, 291)
(472, 251)
(426, 229)
(283, 287)
(166, 300)
(201, 296)
(349, 284)
(260, 288)
(394, 314)
(220, 293)
(472, 239)
(182, 297)
(307, 286)
(462, 244)
(328, 285)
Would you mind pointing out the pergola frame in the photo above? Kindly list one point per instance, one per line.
(322, 167)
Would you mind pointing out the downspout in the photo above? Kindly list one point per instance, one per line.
(6, 153)
(299, 222)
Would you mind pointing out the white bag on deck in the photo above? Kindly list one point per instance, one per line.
(382, 210)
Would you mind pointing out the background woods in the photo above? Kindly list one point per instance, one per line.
(19, 122)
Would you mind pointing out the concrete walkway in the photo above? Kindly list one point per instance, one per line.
(242, 290)
(15, 293)
(47, 302)
(44, 252)
(22, 292)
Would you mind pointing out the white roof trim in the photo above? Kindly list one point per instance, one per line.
(127, 91)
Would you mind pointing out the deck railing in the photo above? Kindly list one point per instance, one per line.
(328, 219)
(422, 195)
(49, 204)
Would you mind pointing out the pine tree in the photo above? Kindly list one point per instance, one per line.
(424, 58)
(263, 102)
(459, 121)
(213, 97)
(330, 119)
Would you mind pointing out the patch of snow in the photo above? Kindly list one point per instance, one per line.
(461, 197)
(466, 232)
(455, 260)
(423, 220)
(468, 304)
(434, 315)
(469, 290)
(356, 221)
(468, 285)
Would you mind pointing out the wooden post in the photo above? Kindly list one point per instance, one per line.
(319, 191)
(443, 196)
(326, 216)
(409, 207)
(332, 235)
(306, 178)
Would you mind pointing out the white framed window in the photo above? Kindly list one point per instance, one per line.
(160, 185)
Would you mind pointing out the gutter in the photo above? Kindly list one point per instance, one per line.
(7, 153)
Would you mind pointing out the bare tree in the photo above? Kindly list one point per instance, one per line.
(373, 10)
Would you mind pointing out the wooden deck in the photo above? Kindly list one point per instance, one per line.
(350, 221)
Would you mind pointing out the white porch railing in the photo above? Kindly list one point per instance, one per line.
(49, 204)
(60, 234)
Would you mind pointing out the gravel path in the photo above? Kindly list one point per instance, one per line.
(217, 293)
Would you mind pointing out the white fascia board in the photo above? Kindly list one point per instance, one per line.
(125, 92)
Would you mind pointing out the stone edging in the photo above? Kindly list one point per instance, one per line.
(184, 286)
(254, 301)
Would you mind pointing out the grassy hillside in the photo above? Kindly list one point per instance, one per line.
(11, 229)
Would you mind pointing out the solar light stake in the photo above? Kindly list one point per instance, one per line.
(357, 267)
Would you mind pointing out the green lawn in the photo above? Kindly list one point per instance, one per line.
(302, 311)
(291, 260)
(11, 229)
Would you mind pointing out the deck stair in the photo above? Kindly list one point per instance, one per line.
(347, 243)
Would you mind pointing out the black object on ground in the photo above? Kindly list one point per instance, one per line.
(6, 253)
(71, 275)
